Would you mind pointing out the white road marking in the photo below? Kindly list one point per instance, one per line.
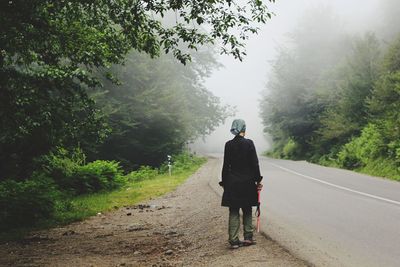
(337, 186)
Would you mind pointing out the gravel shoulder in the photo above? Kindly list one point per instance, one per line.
(186, 227)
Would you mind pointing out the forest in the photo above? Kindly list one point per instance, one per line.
(93, 91)
(333, 97)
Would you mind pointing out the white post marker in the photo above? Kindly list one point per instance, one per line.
(169, 165)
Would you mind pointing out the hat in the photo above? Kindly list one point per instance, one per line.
(238, 126)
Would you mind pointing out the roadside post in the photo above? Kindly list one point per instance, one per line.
(169, 165)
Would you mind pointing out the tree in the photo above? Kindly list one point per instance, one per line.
(346, 112)
(384, 103)
(160, 106)
(291, 103)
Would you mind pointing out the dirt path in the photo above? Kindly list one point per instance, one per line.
(186, 227)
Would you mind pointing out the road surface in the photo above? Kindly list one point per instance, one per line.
(331, 217)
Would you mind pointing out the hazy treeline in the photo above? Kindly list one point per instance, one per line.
(333, 98)
(157, 108)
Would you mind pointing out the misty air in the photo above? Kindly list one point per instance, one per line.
(199, 133)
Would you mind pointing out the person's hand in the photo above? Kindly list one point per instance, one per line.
(259, 186)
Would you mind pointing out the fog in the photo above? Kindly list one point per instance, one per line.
(240, 83)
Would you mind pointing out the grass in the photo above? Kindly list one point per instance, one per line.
(381, 167)
(133, 192)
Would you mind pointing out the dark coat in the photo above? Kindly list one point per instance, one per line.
(240, 173)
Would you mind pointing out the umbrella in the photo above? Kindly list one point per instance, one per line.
(258, 211)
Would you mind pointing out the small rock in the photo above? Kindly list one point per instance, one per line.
(138, 227)
(99, 213)
(172, 232)
(169, 252)
(69, 232)
(129, 214)
(137, 252)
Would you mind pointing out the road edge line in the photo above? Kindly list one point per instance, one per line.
(337, 186)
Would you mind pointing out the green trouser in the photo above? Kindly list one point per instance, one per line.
(234, 224)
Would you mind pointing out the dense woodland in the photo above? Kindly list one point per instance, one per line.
(334, 97)
(93, 89)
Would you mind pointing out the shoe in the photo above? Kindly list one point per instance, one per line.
(249, 242)
(236, 244)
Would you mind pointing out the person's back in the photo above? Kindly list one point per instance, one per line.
(241, 156)
(240, 179)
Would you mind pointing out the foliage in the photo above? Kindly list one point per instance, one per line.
(143, 173)
(96, 33)
(184, 161)
(290, 149)
(36, 116)
(73, 176)
(66, 209)
(295, 95)
(383, 167)
(359, 151)
(158, 108)
(26, 202)
(346, 115)
(44, 82)
(97, 176)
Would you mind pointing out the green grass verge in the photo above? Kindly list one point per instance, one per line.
(381, 168)
(83, 207)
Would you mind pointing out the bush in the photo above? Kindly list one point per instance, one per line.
(143, 173)
(24, 203)
(183, 162)
(383, 167)
(363, 149)
(290, 149)
(61, 167)
(72, 176)
(96, 176)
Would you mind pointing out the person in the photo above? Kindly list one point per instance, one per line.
(241, 179)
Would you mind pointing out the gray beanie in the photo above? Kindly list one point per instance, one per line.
(238, 126)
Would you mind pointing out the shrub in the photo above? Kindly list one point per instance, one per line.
(143, 173)
(24, 203)
(96, 176)
(363, 149)
(184, 161)
(383, 167)
(72, 176)
(290, 149)
(61, 167)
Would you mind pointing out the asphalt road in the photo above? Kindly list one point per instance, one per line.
(331, 217)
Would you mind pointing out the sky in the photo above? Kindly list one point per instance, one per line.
(240, 83)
